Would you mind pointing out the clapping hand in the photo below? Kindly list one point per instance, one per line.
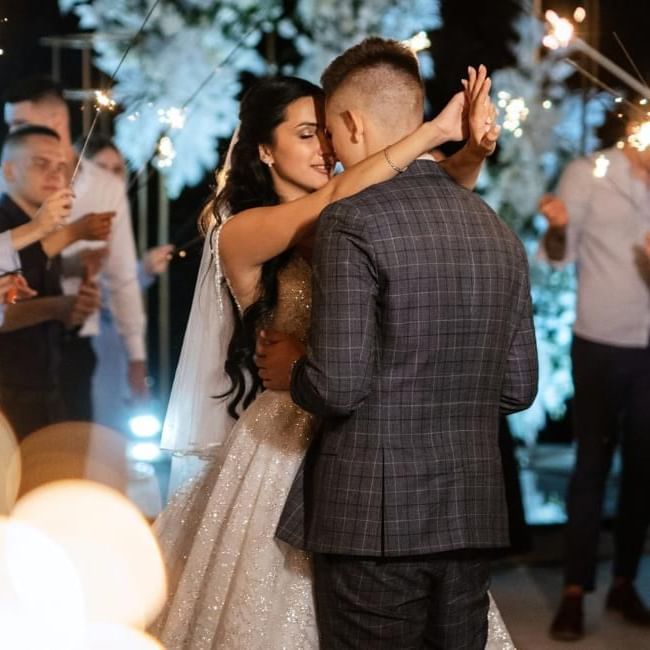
(275, 354)
(480, 113)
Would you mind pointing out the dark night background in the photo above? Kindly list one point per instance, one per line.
(474, 31)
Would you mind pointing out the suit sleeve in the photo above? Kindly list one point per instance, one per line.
(519, 386)
(336, 375)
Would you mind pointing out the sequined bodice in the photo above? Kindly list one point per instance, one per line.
(293, 310)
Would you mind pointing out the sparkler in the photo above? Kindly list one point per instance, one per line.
(102, 98)
(562, 34)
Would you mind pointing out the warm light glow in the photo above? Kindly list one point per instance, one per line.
(110, 637)
(580, 14)
(640, 138)
(418, 42)
(173, 116)
(9, 467)
(74, 450)
(601, 165)
(41, 599)
(110, 545)
(560, 31)
(104, 100)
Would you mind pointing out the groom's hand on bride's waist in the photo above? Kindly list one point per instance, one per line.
(275, 354)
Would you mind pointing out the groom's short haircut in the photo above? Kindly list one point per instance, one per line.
(384, 76)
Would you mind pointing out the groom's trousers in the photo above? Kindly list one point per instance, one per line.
(403, 603)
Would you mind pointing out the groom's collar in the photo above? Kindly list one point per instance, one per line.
(422, 166)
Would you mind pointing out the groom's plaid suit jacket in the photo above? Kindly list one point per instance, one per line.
(421, 336)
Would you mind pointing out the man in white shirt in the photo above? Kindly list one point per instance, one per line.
(40, 101)
(601, 222)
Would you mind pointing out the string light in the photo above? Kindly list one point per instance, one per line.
(601, 165)
(174, 117)
(515, 110)
(165, 153)
(418, 42)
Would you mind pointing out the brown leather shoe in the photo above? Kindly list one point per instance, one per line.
(624, 598)
(568, 624)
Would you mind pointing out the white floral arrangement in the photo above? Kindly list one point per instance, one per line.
(186, 42)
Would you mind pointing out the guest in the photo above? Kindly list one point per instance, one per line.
(111, 394)
(35, 172)
(601, 224)
(40, 101)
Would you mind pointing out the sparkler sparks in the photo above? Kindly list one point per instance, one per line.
(561, 31)
(640, 138)
(104, 100)
(516, 112)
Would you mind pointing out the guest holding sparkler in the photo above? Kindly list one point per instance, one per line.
(600, 220)
(40, 101)
(32, 336)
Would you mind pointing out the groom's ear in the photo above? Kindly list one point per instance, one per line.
(354, 125)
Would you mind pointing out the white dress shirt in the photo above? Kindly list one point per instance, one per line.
(9, 261)
(97, 190)
(608, 220)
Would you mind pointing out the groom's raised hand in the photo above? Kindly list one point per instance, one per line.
(275, 354)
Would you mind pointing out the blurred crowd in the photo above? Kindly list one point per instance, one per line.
(73, 322)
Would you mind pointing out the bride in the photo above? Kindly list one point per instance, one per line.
(232, 584)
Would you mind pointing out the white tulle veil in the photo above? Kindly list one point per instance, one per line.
(197, 423)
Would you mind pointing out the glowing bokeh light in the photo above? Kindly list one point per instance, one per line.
(166, 152)
(580, 14)
(560, 31)
(145, 425)
(10, 467)
(175, 117)
(110, 544)
(601, 165)
(41, 599)
(110, 637)
(74, 450)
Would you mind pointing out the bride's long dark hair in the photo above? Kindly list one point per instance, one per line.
(249, 185)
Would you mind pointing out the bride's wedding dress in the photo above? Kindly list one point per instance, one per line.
(232, 584)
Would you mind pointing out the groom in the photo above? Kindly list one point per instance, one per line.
(421, 337)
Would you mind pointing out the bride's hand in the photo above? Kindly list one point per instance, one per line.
(480, 116)
(449, 123)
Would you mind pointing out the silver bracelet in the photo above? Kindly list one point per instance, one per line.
(399, 170)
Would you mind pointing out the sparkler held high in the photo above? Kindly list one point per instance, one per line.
(562, 35)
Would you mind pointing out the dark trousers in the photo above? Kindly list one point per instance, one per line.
(77, 367)
(31, 409)
(433, 601)
(611, 405)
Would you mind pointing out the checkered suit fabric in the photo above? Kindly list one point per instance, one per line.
(421, 336)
